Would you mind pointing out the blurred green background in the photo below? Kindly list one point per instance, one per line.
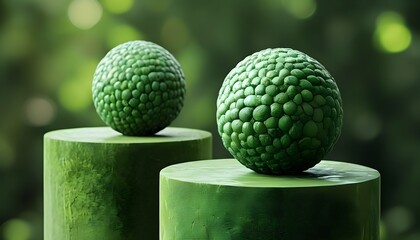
(49, 50)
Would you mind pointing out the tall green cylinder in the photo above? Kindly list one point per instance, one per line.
(99, 184)
(221, 199)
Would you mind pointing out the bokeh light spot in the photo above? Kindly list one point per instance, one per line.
(391, 34)
(192, 60)
(300, 9)
(16, 229)
(84, 14)
(200, 114)
(72, 96)
(382, 230)
(158, 6)
(118, 6)
(15, 39)
(398, 219)
(7, 153)
(39, 111)
(205, 109)
(75, 94)
(174, 33)
(367, 126)
(122, 33)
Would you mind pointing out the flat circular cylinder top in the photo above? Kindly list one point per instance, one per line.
(229, 172)
(108, 135)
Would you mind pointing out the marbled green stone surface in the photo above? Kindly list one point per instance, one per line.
(99, 184)
(221, 199)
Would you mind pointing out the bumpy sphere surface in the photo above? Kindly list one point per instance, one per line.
(279, 111)
(138, 88)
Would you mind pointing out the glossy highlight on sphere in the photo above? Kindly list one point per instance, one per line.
(279, 111)
(138, 88)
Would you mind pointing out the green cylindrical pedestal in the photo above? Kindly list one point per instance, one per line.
(221, 199)
(99, 184)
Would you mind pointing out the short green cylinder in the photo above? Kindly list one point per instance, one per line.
(221, 199)
(99, 184)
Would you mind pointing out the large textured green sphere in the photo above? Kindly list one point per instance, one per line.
(279, 111)
(138, 88)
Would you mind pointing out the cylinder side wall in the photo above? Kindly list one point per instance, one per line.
(201, 211)
(106, 190)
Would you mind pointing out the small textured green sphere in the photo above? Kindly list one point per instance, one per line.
(279, 111)
(138, 88)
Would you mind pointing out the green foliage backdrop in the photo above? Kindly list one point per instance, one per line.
(49, 50)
